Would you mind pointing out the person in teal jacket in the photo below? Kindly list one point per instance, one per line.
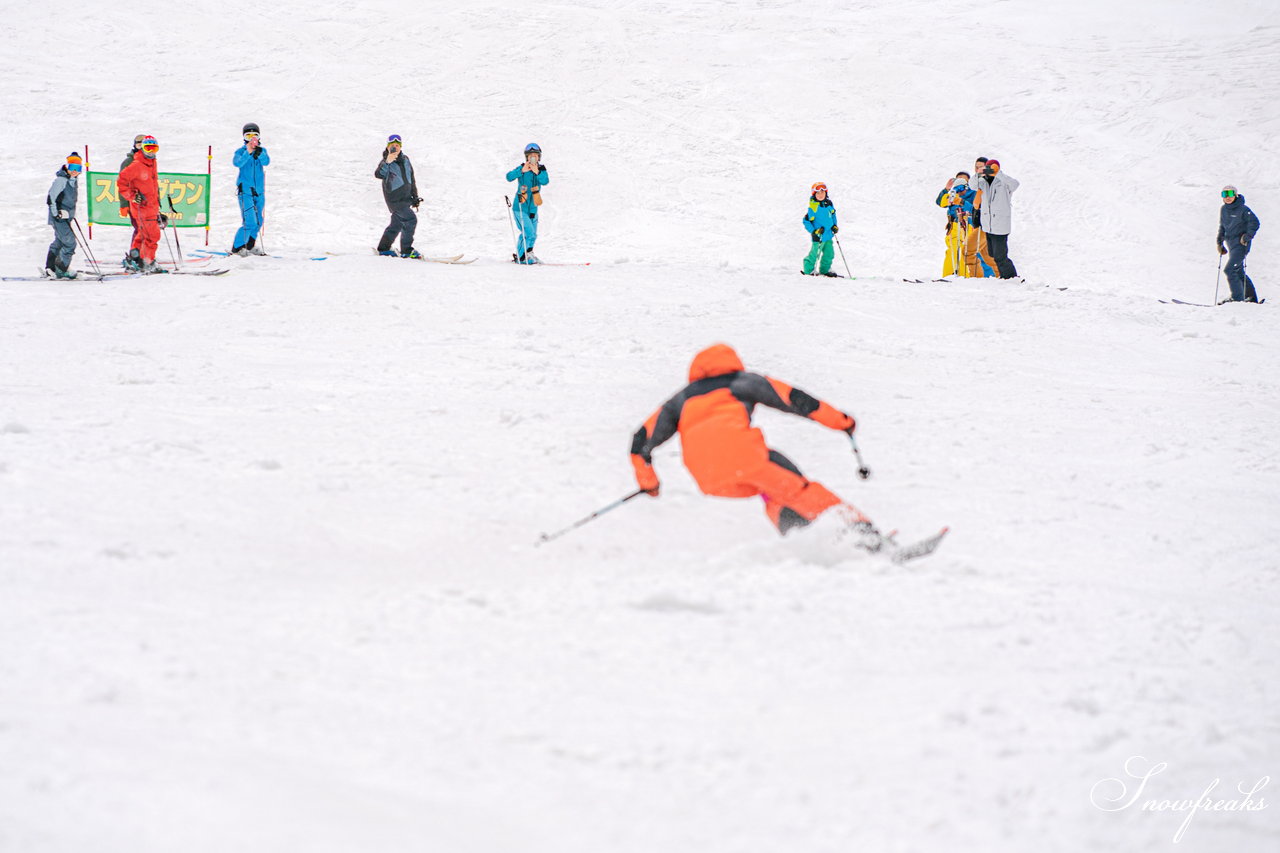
(820, 222)
(530, 177)
(251, 190)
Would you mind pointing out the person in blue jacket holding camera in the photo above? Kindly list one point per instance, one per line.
(820, 222)
(530, 177)
(250, 158)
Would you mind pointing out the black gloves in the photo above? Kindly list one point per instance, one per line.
(139, 198)
(164, 221)
(1244, 240)
(835, 229)
(256, 152)
(416, 201)
(816, 237)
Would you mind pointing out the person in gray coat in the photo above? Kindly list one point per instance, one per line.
(995, 191)
(61, 200)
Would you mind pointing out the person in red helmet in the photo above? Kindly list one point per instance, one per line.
(728, 457)
(139, 185)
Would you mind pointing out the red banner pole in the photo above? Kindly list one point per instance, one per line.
(206, 221)
(88, 190)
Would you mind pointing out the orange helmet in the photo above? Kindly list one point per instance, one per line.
(818, 186)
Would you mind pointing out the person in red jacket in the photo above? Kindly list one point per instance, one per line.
(138, 184)
(728, 457)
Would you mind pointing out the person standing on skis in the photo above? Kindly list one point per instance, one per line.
(139, 183)
(530, 177)
(995, 197)
(124, 202)
(728, 457)
(400, 192)
(1237, 226)
(957, 199)
(820, 222)
(62, 198)
(977, 258)
(250, 158)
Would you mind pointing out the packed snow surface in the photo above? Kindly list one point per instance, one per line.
(268, 578)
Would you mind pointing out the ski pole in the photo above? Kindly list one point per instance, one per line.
(848, 272)
(176, 238)
(511, 221)
(547, 537)
(167, 241)
(1218, 282)
(89, 252)
(863, 471)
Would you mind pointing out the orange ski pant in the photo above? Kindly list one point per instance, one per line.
(790, 500)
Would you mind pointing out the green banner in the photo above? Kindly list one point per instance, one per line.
(189, 193)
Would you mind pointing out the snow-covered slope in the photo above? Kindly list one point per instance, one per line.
(267, 578)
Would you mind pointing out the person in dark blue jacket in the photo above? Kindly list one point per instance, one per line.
(400, 191)
(530, 177)
(1236, 226)
(250, 158)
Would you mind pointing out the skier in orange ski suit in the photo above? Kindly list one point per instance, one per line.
(726, 455)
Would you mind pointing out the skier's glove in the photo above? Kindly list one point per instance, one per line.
(1244, 239)
(139, 198)
(853, 425)
(1222, 250)
(164, 221)
(819, 231)
(256, 152)
(814, 235)
(835, 229)
(646, 477)
(416, 201)
(62, 214)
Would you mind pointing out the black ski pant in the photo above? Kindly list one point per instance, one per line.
(62, 247)
(998, 246)
(403, 222)
(1241, 284)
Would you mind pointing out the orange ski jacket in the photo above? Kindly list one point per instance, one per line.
(713, 416)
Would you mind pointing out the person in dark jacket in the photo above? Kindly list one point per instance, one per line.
(61, 200)
(1236, 226)
(251, 190)
(124, 202)
(400, 191)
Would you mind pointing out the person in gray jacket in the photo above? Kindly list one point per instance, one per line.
(61, 200)
(995, 191)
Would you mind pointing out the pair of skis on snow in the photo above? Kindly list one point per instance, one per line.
(88, 275)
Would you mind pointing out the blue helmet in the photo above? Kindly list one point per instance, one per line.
(532, 148)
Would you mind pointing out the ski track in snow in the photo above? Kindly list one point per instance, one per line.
(267, 573)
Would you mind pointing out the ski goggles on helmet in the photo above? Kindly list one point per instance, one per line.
(74, 167)
(150, 147)
(819, 188)
(1228, 193)
(394, 139)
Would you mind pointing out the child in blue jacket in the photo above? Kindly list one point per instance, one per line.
(530, 177)
(251, 185)
(820, 222)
